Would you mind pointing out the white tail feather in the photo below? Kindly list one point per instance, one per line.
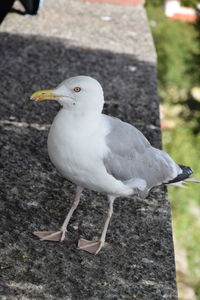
(179, 184)
(190, 179)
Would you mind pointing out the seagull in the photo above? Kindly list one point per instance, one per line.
(101, 153)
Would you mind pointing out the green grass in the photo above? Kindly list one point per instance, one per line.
(184, 147)
(177, 46)
(155, 3)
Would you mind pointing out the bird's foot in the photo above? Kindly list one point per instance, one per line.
(55, 236)
(90, 246)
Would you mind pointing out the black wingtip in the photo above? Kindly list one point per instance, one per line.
(187, 171)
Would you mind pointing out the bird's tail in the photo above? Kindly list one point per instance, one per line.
(191, 179)
(182, 182)
(183, 178)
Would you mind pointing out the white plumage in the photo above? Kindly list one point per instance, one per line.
(99, 152)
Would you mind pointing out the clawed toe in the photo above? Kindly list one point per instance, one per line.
(90, 246)
(55, 236)
(58, 236)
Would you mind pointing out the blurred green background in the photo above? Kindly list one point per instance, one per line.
(178, 49)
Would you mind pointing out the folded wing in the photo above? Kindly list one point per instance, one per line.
(132, 158)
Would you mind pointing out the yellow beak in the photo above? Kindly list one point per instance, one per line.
(44, 95)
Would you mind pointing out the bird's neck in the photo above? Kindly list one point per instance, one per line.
(78, 121)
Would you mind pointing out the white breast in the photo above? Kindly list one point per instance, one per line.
(75, 149)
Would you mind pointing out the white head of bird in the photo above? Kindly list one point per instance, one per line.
(81, 94)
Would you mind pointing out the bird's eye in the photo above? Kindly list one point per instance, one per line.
(77, 89)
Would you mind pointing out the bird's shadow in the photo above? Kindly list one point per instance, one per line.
(34, 196)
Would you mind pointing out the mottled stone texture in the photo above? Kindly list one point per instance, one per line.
(121, 2)
(71, 38)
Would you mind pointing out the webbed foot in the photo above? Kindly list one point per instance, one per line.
(90, 246)
(55, 236)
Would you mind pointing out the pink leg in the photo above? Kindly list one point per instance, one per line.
(92, 246)
(57, 236)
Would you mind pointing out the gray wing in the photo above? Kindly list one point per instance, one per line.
(131, 156)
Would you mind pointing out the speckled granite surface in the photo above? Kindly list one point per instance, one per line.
(113, 44)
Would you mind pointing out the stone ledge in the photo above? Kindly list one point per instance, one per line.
(121, 2)
(38, 53)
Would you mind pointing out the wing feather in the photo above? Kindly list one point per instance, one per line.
(131, 156)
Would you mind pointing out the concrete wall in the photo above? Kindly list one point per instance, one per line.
(113, 44)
